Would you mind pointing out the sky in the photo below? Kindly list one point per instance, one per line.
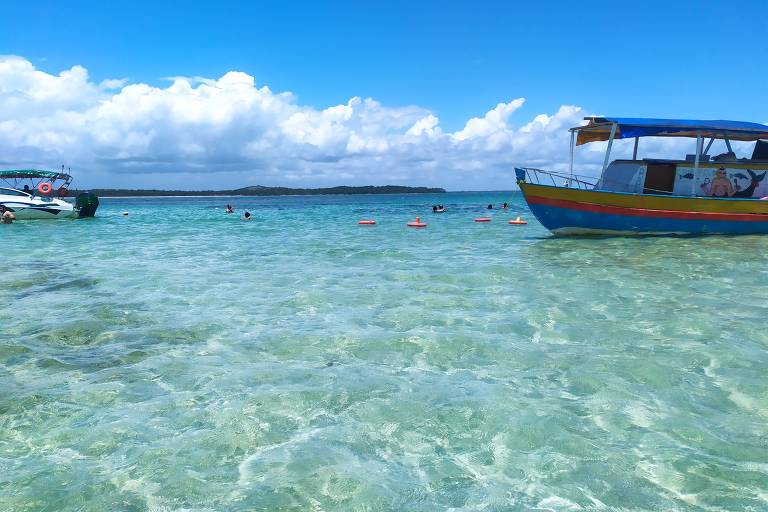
(225, 94)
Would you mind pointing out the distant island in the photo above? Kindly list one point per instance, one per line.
(259, 190)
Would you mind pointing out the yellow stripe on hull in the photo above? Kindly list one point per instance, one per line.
(647, 201)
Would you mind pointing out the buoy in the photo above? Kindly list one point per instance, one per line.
(518, 221)
(45, 188)
(367, 222)
(483, 219)
(417, 223)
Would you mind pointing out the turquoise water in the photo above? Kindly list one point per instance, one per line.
(182, 359)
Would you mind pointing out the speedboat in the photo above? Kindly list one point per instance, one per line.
(698, 195)
(44, 200)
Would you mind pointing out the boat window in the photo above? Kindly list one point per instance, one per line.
(12, 192)
(761, 150)
(659, 179)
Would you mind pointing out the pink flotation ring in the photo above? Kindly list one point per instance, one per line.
(518, 221)
(367, 222)
(483, 219)
(45, 188)
(417, 223)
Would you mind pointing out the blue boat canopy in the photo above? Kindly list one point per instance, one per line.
(599, 129)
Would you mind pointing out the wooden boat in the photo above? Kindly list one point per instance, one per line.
(698, 195)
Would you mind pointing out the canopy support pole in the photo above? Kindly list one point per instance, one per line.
(634, 151)
(709, 145)
(570, 168)
(699, 145)
(608, 150)
(728, 144)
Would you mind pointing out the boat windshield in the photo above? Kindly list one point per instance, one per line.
(12, 192)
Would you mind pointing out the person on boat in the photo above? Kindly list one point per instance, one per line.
(27, 190)
(721, 186)
(6, 215)
(230, 209)
(247, 216)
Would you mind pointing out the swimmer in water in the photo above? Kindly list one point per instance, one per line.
(229, 209)
(247, 216)
(6, 215)
(434, 208)
(490, 207)
(505, 206)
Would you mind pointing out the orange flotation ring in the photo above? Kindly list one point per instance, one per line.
(483, 219)
(45, 188)
(518, 221)
(367, 222)
(417, 223)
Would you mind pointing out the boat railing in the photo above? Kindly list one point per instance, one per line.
(555, 178)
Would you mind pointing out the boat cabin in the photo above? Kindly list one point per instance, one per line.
(698, 174)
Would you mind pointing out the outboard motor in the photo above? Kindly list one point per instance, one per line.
(86, 204)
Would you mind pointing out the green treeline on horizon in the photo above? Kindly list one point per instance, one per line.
(266, 191)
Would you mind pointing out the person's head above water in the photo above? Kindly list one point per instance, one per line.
(247, 215)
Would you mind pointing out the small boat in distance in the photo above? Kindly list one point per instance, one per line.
(698, 195)
(45, 198)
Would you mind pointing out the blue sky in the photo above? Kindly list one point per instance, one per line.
(457, 60)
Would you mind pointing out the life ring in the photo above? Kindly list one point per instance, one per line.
(45, 188)
(518, 221)
(416, 224)
(483, 219)
(63, 191)
(367, 222)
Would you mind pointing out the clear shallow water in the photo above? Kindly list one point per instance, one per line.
(182, 359)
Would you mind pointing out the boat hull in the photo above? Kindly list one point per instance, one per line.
(567, 212)
(46, 213)
(27, 209)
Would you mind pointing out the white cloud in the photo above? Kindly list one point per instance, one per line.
(494, 122)
(232, 132)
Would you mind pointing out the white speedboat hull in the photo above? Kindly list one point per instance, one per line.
(31, 207)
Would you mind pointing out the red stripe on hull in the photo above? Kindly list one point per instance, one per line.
(642, 212)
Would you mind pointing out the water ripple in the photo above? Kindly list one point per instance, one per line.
(182, 359)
